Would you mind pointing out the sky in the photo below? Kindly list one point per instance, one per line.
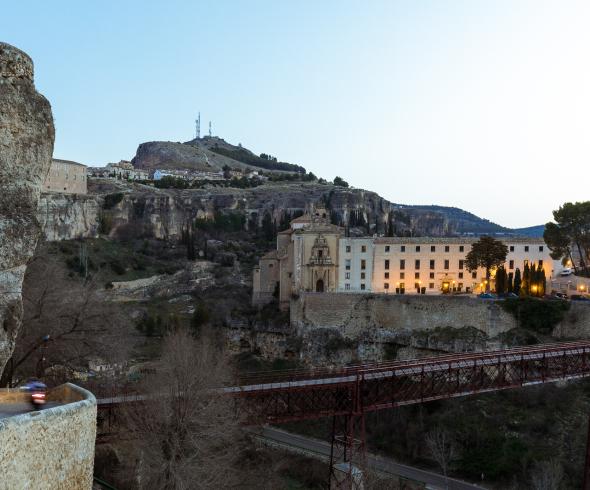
(475, 104)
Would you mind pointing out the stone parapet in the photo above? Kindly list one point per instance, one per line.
(51, 448)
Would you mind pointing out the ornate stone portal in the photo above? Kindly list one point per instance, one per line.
(26, 147)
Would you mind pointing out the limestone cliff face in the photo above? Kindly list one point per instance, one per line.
(26, 146)
(163, 212)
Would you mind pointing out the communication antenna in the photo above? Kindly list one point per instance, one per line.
(198, 126)
(210, 129)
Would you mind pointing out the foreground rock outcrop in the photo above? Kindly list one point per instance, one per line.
(26, 146)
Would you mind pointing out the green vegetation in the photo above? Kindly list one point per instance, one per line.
(570, 230)
(117, 260)
(170, 182)
(228, 222)
(262, 161)
(540, 316)
(111, 200)
(488, 253)
(340, 182)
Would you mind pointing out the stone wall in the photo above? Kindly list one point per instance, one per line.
(336, 328)
(359, 314)
(52, 448)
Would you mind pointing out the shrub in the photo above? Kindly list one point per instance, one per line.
(111, 200)
(538, 315)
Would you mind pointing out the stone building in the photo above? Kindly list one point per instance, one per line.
(66, 177)
(314, 256)
(125, 170)
(306, 259)
(429, 265)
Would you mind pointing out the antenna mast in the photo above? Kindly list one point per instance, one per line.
(198, 126)
(210, 129)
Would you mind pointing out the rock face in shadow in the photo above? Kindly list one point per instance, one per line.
(26, 146)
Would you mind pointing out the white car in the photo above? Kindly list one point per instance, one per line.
(566, 272)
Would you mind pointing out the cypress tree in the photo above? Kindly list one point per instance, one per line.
(517, 282)
(526, 280)
(533, 281)
(510, 286)
(500, 280)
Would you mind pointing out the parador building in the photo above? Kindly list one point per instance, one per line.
(313, 255)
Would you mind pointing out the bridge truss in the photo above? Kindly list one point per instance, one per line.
(346, 394)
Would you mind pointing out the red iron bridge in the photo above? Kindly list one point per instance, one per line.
(346, 394)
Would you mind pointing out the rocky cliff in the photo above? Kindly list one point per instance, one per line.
(26, 143)
(162, 213)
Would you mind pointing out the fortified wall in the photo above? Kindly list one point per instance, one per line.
(51, 448)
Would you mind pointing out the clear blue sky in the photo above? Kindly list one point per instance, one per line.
(476, 104)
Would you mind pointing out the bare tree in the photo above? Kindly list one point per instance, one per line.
(442, 448)
(187, 432)
(547, 475)
(66, 321)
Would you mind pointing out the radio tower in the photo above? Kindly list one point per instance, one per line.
(198, 126)
(210, 129)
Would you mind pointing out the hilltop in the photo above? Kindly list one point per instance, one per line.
(207, 154)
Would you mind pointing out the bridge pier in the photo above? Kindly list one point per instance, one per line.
(348, 452)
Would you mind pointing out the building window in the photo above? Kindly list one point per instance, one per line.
(417, 248)
(431, 285)
(474, 274)
(386, 275)
(432, 248)
(387, 264)
(362, 287)
(363, 248)
(540, 248)
(363, 264)
(416, 275)
(347, 286)
(461, 263)
(402, 264)
(460, 275)
(540, 264)
(461, 248)
(447, 248)
(417, 264)
(432, 264)
(432, 275)
(446, 263)
(526, 248)
(347, 248)
(347, 275)
(270, 266)
(512, 248)
(320, 253)
(460, 286)
(362, 275)
(511, 264)
(387, 248)
(347, 264)
(402, 275)
(403, 248)
(417, 285)
(402, 285)
(386, 285)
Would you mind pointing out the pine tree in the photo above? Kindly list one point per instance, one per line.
(517, 282)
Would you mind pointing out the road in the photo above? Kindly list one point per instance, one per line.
(11, 409)
(314, 447)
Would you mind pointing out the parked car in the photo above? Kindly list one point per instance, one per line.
(557, 295)
(566, 272)
(487, 296)
(579, 297)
